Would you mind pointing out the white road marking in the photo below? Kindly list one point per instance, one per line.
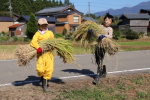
(123, 71)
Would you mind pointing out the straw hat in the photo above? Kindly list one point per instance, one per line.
(42, 21)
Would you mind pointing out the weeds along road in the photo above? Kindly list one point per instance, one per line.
(123, 63)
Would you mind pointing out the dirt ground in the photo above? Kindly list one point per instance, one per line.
(34, 92)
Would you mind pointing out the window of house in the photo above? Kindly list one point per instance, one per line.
(76, 19)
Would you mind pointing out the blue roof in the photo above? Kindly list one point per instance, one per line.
(49, 19)
(6, 19)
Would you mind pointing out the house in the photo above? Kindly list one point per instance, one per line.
(89, 19)
(69, 18)
(146, 11)
(22, 25)
(5, 22)
(17, 30)
(136, 22)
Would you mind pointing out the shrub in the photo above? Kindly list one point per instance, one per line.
(148, 34)
(4, 39)
(4, 34)
(68, 36)
(64, 31)
(116, 34)
(130, 34)
(141, 34)
(15, 39)
(58, 35)
(27, 40)
(32, 26)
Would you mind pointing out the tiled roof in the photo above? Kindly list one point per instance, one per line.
(52, 9)
(6, 19)
(89, 18)
(15, 25)
(49, 19)
(136, 16)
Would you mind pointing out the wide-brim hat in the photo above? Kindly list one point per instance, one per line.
(42, 21)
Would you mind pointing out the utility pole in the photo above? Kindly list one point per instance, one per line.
(10, 8)
(89, 8)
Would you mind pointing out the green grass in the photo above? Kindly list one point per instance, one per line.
(91, 94)
(8, 47)
(135, 43)
(116, 89)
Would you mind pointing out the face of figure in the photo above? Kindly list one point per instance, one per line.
(43, 27)
(107, 22)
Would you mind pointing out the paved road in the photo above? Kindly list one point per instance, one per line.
(10, 72)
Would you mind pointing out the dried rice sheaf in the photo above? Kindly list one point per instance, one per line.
(62, 47)
(82, 35)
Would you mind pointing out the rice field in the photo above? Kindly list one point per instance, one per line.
(7, 51)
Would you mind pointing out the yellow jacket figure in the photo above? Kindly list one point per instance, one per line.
(45, 61)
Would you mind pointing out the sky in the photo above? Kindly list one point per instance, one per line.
(103, 5)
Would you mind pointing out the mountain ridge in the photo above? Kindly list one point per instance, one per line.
(133, 10)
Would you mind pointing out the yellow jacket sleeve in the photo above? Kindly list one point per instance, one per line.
(34, 41)
(52, 35)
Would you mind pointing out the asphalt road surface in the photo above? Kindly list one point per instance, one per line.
(123, 63)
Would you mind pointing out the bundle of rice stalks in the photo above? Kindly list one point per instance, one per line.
(81, 34)
(107, 45)
(62, 47)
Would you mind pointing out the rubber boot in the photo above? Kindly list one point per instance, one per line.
(41, 79)
(44, 85)
(104, 71)
(95, 81)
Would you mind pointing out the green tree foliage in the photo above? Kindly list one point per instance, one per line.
(32, 26)
(60, 3)
(4, 11)
(116, 21)
(91, 15)
(26, 7)
(67, 2)
(101, 19)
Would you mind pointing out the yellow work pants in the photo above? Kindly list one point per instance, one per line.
(45, 65)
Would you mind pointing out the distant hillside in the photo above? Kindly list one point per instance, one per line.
(134, 9)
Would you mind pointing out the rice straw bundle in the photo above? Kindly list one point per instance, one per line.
(62, 48)
(108, 46)
(81, 34)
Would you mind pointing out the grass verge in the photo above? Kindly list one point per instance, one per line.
(130, 87)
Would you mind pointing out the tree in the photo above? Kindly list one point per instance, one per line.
(26, 7)
(60, 3)
(32, 26)
(67, 2)
(91, 15)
